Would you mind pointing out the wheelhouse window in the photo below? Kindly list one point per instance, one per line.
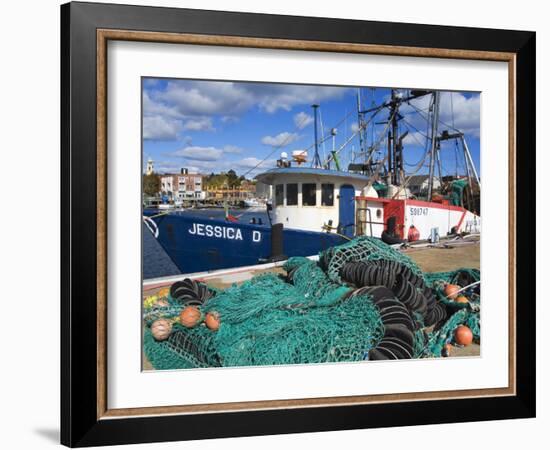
(279, 194)
(291, 194)
(327, 194)
(309, 194)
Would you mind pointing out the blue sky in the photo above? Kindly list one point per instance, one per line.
(214, 126)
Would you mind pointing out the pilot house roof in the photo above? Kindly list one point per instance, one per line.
(270, 177)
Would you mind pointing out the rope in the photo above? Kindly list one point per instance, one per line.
(151, 225)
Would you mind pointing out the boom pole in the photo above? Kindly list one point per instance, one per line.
(435, 119)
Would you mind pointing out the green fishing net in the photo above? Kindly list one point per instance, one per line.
(363, 248)
(457, 190)
(307, 316)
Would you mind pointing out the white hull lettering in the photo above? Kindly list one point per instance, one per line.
(256, 236)
(220, 232)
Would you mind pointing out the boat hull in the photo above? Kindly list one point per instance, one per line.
(424, 216)
(198, 244)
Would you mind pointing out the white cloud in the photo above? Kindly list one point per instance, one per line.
(354, 127)
(302, 120)
(199, 124)
(150, 82)
(153, 107)
(252, 166)
(282, 139)
(204, 98)
(193, 105)
(414, 138)
(231, 99)
(464, 112)
(197, 153)
(242, 166)
(172, 167)
(160, 128)
(167, 167)
(273, 97)
(232, 149)
(253, 162)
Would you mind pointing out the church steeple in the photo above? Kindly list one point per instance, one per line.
(150, 167)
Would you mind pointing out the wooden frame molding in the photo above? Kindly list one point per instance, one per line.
(103, 36)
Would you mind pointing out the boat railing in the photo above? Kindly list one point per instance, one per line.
(363, 219)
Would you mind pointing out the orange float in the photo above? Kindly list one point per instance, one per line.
(161, 329)
(451, 290)
(461, 299)
(463, 335)
(190, 316)
(162, 302)
(212, 320)
(164, 292)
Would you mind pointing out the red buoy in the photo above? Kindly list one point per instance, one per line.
(463, 335)
(413, 234)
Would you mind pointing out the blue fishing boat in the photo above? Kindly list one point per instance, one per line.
(306, 204)
(313, 208)
(196, 244)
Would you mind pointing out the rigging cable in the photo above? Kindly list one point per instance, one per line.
(281, 145)
(439, 120)
(423, 160)
(420, 144)
(456, 142)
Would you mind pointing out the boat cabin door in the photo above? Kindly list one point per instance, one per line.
(346, 213)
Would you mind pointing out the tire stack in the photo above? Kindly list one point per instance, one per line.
(397, 292)
(190, 293)
(398, 339)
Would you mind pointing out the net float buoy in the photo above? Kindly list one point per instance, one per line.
(162, 302)
(463, 335)
(451, 290)
(461, 299)
(212, 320)
(413, 234)
(163, 292)
(190, 316)
(161, 329)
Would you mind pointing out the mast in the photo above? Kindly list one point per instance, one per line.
(439, 167)
(390, 159)
(469, 158)
(394, 157)
(333, 132)
(360, 125)
(316, 158)
(435, 119)
(469, 169)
